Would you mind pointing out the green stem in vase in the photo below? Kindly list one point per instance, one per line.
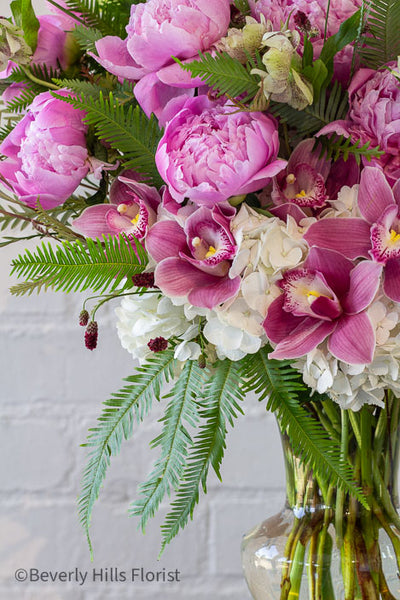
(340, 495)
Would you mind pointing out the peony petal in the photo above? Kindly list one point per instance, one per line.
(303, 339)
(278, 323)
(364, 283)
(334, 267)
(391, 284)
(350, 237)
(374, 195)
(166, 239)
(115, 58)
(153, 95)
(353, 340)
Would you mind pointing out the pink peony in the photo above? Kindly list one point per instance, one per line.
(46, 155)
(210, 152)
(158, 30)
(374, 117)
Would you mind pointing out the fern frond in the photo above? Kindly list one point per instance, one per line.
(16, 217)
(279, 384)
(130, 404)
(125, 129)
(332, 105)
(225, 74)
(23, 100)
(87, 37)
(174, 441)
(220, 406)
(335, 146)
(80, 87)
(381, 42)
(76, 266)
(96, 15)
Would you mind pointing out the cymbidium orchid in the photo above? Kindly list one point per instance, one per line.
(194, 260)
(375, 236)
(326, 298)
(132, 211)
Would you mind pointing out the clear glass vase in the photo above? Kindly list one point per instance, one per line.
(324, 544)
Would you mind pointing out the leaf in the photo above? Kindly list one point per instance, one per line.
(347, 33)
(130, 404)
(24, 98)
(87, 37)
(182, 411)
(220, 406)
(334, 146)
(224, 74)
(30, 23)
(381, 42)
(331, 106)
(279, 384)
(101, 15)
(76, 266)
(125, 129)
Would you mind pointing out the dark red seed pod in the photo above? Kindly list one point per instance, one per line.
(158, 344)
(91, 335)
(145, 280)
(83, 318)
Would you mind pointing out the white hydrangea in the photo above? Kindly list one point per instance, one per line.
(142, 318)
(345, 205)
(352, 386)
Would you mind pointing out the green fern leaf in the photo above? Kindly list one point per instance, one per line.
(76, 266)
(23, 100)
(130, 404)
(87, 37)
(381, 42)
(331, 106)
(126, 130)
(174, 442)
(220, 406)
(336, 146)
(224, 74)
(282, 386)
(90, 13)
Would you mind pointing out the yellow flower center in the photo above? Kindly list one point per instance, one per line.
(394, 237)
(311, 295)
(135, 220)
(301, 194)
(211, 252)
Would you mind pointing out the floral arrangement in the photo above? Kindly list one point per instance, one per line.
(229, 172)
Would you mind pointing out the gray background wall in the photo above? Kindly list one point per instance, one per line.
(51, 390)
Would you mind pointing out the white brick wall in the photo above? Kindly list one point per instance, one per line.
(51, 392)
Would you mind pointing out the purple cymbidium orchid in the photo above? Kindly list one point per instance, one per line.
(132, 211)
(376, 235)
(309, 181)
(194, 260)
(326, 298)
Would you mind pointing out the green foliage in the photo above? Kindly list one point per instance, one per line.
(16, 217)
(30, 24)
(282, 387)
(125, 129)
(381, 42)
(331, 106)
(108, 18)
(23, 100)
(243, 6)
(347, 33)
(130, 404)
(335, 146)
(224, 74)
(220, 406)
(87, 37)
(78, 266)
(182, 411)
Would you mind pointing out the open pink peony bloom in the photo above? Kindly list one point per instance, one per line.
(158, 30)
(325, 299)
(194, 260)
(132, 210)
(46, 155)
(210, 152)
(374, 116)
(308, 181)
(376, 235)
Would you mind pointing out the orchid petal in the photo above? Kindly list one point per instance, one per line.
(391, 284)
(278, 323)
(374, 195)
(309, 333)
(93, 221)
(353, 340)
(165, 239)
(334, 267)
(364, 284)
(350, 237)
